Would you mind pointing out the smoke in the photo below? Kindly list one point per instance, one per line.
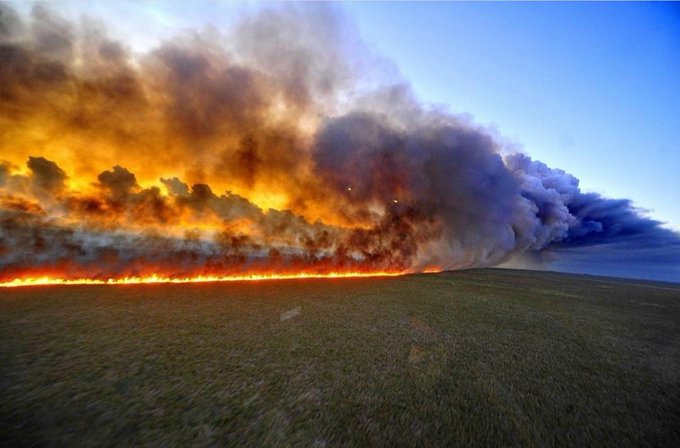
(266, 149)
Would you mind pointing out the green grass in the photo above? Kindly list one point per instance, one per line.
(480, 357)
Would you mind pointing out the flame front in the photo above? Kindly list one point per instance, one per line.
(151, 279)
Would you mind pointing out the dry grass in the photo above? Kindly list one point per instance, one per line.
(483, 357)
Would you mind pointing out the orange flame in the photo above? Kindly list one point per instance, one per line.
(153, 278)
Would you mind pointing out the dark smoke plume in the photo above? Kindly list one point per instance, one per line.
(266, 151)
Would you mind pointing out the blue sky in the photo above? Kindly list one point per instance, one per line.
(591, 88)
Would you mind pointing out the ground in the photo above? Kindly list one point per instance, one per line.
(479, 357)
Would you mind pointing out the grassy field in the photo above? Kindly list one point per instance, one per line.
(483, 357)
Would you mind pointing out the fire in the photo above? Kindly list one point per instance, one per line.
(254, 155)
(195, 162)
(153, 279)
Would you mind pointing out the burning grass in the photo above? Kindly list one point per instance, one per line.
(153, 279)
(478, 357)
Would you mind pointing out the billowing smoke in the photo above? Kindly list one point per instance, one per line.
(265, 151)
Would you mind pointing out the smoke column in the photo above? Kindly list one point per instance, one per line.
(266, 150)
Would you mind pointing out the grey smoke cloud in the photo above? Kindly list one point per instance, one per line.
(374, 179)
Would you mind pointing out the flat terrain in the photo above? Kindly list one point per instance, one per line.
(483, 357)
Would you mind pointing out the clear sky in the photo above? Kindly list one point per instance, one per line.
(591, 88)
